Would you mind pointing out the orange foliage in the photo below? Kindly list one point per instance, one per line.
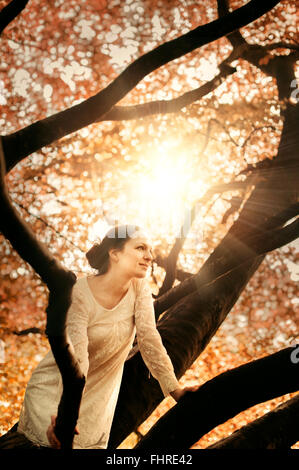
(58, 53)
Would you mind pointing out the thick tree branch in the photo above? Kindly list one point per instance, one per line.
(283, 236)
(10, 12)
(25, 141)
(60, 283)
(236, 39)
(260, 244)
(278, 220)
(199, 412)
(277, 429)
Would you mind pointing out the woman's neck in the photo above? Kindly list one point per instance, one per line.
(116, 283)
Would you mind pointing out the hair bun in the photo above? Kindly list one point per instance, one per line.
(93, 254)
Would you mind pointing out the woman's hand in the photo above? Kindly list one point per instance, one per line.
(55, 443)
(179, 392)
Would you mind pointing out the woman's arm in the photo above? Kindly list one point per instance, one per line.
(179, 392)
(150, 343)
(77, 324)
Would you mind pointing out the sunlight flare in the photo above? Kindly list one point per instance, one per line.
(164, 191)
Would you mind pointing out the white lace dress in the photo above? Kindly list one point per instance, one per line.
(102, 339)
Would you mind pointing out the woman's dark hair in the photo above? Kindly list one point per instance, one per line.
(115, 238)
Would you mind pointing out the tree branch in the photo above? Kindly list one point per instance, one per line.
(172, 257)
(221, 398)
(280, 237)
(125, 113)
(10, 12)
(277, 429)
(25, 141)
(27, 331)
(279, 67)
(281, 45)
(236, 39)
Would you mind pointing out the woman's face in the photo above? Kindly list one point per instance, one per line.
(136, 256)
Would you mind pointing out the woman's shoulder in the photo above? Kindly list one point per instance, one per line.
(80, 282)
(81, 293)
(80, 287)
(140, 284)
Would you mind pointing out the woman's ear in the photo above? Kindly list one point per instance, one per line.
(113, 255)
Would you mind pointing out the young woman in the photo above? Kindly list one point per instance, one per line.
(106, 311)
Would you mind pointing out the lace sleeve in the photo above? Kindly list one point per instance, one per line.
(150, 343)
(77, 323)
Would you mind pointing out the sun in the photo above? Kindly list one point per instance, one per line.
(161, 195)
(163, 190)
